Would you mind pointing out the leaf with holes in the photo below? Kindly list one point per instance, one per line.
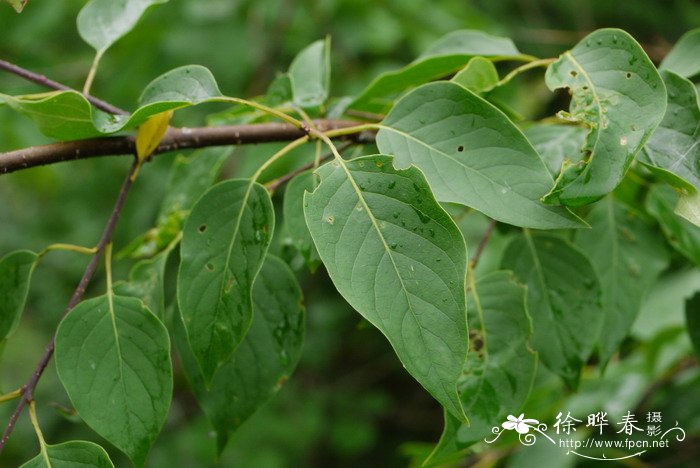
(446, 56)
(398, 258)
(224, 243)
(294, 217)
(673, 151)
(113, 358)
(262, 362)
(310, 74)
(564, 298)
(628, 256)
(472, 154)
(75, 453)
(501, 366)
(16, 270)
(618, 94)
(558, 145)
(102, 22)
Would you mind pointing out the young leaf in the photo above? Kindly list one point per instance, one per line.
(675, 145)
(557, 144)
(16, 270)
(102, 22)
(478, 76)
(692, 318)
(262, 362)
(564, 299)
(18, 5)
(446, 56)
(294, 217)
(680, 233)
(619, 95)
(224, 243)
(501, 366)
(628, 256)
(310, 74)
(67, 115)
(684, 58)
(75, 453)
(397, 257)
(113, 358)
(151, 133)
(472, 154)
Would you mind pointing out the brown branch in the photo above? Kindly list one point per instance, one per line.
(482, 244)
(49, 83)
(176, 139)
(30, 386)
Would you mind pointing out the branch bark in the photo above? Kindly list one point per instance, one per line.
(175, 139)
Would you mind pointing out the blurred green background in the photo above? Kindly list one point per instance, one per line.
(350, 403)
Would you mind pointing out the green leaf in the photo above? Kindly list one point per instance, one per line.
(102, 22)
(262, 362)
(76, 453)
(310, 74)
(113, 358)
(564, 298)
(67, 115)
(146, 282)
(294, 217)
(689, 208)
(675, 145)
(446, 56)
(471, 154)
(18, 5)
(684, 58)
(618, 94)
(501, 366)
(692, 317)
(16, 270)
(558, 145)
(628, 256)
(480, 75)
(680, 233)
(397, 257)
(224, 243)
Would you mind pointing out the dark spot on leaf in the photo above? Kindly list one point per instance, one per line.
(210, 267)
(573, 73)
(202, 228)
(628, 75)
(460, 148)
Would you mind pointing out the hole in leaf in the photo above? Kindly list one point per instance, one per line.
(460, 148)
(573, 73)
(202, 228)
(209, 267)
(584, 88)
(628, 75)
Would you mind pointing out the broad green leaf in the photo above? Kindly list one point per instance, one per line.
(397, 257)
(73, 454)
(692, 318)
(557, 144)
(102, 22)
(67, 115)
(478, 76)
(689, 207)
(675, 145)
(684, 58)
(472, 154)
(628, 256)
(190, 176)
(113, 358)
(446, 56)
(310, 74)
(18, 5)
(618, 94)
(294, 217)
(564, 298)
(224, 243)
(500, 367)
(680, 233)
(16, 270)
(262, 362)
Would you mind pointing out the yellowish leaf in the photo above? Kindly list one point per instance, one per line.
(151, 133)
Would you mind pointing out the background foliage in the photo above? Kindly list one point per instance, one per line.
(350, 400)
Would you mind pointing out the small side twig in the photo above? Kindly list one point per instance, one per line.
(27, 389)
(482, 244)
(51, 84)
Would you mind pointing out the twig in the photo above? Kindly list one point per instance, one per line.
(482, 244)
(28, 388)
(175, 139)
(49, 83)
